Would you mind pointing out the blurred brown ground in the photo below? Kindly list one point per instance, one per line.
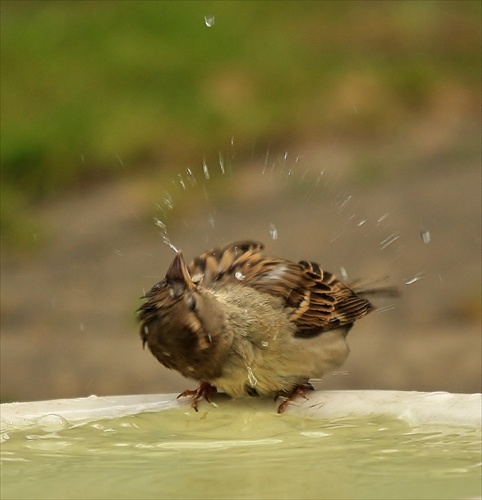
(68, 323)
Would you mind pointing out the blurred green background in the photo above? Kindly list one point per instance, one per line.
(104, 102)
(93, 90)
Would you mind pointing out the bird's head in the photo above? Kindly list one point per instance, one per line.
(184, 325)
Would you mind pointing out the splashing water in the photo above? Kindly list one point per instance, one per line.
(181, 181)
(382, 218)
(380, 310)
(190, 176)
(343, 274)
(279, 171)
(160, 224)
(344, 202)
(167, 241)
(205, 170)
(190, 181)
(389, 240)
(425, 235)
(165, 238)
(209, 21)
(168, 202)
(413, 279)
(221, 163)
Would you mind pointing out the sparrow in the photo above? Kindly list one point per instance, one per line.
(248, 324)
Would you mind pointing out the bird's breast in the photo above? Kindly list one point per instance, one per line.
(265, 357)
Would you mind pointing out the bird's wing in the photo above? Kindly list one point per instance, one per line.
(317, 300)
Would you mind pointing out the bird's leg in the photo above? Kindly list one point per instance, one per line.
(204, 391)
(298, 390)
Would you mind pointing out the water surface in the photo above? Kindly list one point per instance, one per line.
(218, 453)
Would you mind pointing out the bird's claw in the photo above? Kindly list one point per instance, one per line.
(299, 390)
(204, 391)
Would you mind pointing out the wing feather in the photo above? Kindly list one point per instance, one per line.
(316, 300)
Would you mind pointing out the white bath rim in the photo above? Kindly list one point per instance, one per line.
(415, 408)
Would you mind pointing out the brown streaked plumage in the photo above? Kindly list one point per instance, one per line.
(248, 324)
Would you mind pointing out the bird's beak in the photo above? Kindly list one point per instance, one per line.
(178, 275)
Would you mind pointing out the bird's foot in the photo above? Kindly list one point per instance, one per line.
(290, 396)
(204, 391)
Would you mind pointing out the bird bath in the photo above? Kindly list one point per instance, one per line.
(336, 444)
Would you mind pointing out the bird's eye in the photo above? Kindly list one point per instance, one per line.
(191, 303)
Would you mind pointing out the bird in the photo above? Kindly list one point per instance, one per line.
(247, 324)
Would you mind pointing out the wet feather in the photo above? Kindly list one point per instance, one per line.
(248, 323)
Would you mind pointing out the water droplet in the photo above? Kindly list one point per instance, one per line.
(264, 343)
(390, 307)
(191, 177)
(209, 21)
(239, 276)
(413, 279)
(167, 241)
(181, 181)
(345, 201)
(160, 224)
(382, 218)
(389, 240)
(343, 274)
(168, 201)
(221, 163)
(425, 235)
(273, 232)
(205, 170)
(266, 159)
(165, 238)
(253, 381)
